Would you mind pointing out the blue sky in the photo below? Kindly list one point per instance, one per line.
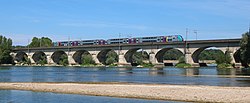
(102, 19)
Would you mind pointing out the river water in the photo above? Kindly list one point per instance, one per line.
(198, 76)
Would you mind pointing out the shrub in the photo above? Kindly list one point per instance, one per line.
(182, 59)
(183, 65)
(64, 60)
(87, 60)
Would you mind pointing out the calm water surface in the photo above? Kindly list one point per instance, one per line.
(198, 76)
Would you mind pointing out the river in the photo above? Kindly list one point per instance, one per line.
(198, 76)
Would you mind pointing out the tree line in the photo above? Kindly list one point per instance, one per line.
(5, 50)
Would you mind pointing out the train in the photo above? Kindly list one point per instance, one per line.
(162, 39)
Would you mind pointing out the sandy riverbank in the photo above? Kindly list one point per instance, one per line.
(143, 91)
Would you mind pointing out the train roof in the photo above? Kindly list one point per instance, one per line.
(122, 38)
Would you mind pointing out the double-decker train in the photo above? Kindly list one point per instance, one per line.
(163, 39)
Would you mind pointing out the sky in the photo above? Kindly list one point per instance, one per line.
(21, 20)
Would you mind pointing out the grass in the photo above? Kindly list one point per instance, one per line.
(183, 65)
(224, 66)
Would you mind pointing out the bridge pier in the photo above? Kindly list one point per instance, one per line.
(189, 59)
(94, 56)
(121, 58)
(31, 59)
(122, 61)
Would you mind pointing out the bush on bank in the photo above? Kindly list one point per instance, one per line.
(183, 65)
(147, 65)
(225, 66)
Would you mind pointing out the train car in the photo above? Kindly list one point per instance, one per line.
(55, 44)
(174, 38)
(73, 43)
(149, 39)
(118, 40)
(64, 43)
(88, 42)
(101, 42)
(164, 39)
(133, 40)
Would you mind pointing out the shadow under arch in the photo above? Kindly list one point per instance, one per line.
(21, 56)
(195, 55)
(56, 56)
(102, 55)
(77, 56)
(37, 56)
(160, 54)
(129, 54)
(237, 57)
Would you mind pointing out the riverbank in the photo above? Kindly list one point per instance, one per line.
(142, 91)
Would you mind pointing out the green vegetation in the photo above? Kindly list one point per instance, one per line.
(182, 59)
(224, 60)
(210, 54)
(245, 50)
(182, 63)
(42, 61)
(172, 54)
(26, 60)
(140, 57)
(5, 49)
(224, 66)
(112, 58)
(87, 60)
(41, 42)
(147, 65)
(64, 60)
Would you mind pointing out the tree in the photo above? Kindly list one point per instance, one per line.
(63, 60)
(87, 59)
(42, 61)
(110, 61)
(5, 49)
(228, 58)
(172, 54)
(140, 57)
(182, 59)
(224, 58)
(111, 58)
(245, 49)
(210, 54)
(41, 42)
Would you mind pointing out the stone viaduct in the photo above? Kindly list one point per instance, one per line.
(191, 49)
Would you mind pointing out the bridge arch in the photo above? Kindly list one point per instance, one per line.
(236, 56)
(130, 55)
(38, 56)
(77, 56)
(21, 56)
(56, 56)
(195, 55)
(102, 55)
(160, 54)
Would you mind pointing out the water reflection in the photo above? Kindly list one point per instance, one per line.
(156, 71)
(191, 72)
(170, 75)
